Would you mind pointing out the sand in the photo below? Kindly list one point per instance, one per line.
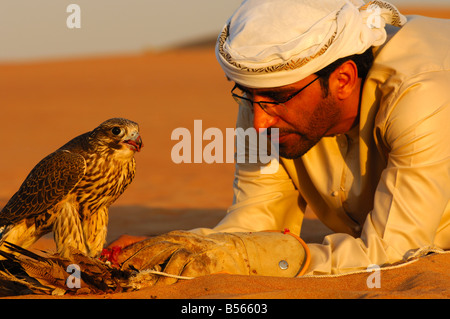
(44, 104)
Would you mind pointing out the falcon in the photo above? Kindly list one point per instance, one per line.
(69, 191)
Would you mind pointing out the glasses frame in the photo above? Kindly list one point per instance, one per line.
(262, 104)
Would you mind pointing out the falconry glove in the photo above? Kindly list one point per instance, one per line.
(183, 253)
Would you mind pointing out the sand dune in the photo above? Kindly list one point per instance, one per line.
(45, 104)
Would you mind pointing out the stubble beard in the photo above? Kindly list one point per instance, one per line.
(295, 144)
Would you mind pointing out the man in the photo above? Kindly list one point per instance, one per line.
(360, 95)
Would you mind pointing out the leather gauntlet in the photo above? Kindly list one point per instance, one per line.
(183, 253)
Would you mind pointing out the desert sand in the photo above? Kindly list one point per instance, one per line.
(44, 104)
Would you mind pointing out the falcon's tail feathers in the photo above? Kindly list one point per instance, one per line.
(21, 251)
(14, 279)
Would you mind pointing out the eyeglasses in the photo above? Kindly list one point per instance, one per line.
(271, 108)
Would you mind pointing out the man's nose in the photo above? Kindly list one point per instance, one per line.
(261, 119)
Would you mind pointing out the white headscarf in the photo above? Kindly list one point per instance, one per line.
(271, 43)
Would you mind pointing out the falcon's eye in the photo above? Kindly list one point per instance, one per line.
(116, 130)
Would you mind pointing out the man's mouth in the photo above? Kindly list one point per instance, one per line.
(279, 135)
(283, 137)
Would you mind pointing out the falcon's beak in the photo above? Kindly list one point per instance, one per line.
(135, 141)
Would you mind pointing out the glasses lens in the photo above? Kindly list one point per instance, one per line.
(271, 108)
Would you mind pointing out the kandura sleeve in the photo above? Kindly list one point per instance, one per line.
(411, 204)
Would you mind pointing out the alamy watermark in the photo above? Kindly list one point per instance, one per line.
(73, 21)
(252, 146)
(374, 280)
(374, 18)
(74, 280)
(244, 146)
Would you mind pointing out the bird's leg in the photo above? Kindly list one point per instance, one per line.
(94, 230)
(68, 231)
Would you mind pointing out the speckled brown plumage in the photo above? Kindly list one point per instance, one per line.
(70, 190)
(24, 272)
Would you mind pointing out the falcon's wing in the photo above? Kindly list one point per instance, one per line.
(49, 182)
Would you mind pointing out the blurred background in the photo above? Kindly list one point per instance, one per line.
(151, 61)
(31, 30)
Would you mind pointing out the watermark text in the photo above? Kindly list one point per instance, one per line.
(244, 146)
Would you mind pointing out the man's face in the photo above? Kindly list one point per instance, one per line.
(304, 119)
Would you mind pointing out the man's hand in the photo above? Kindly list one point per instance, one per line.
(184, 253)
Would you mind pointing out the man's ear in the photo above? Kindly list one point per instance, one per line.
(344, 80)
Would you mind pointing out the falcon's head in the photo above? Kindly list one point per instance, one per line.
(118, 134)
